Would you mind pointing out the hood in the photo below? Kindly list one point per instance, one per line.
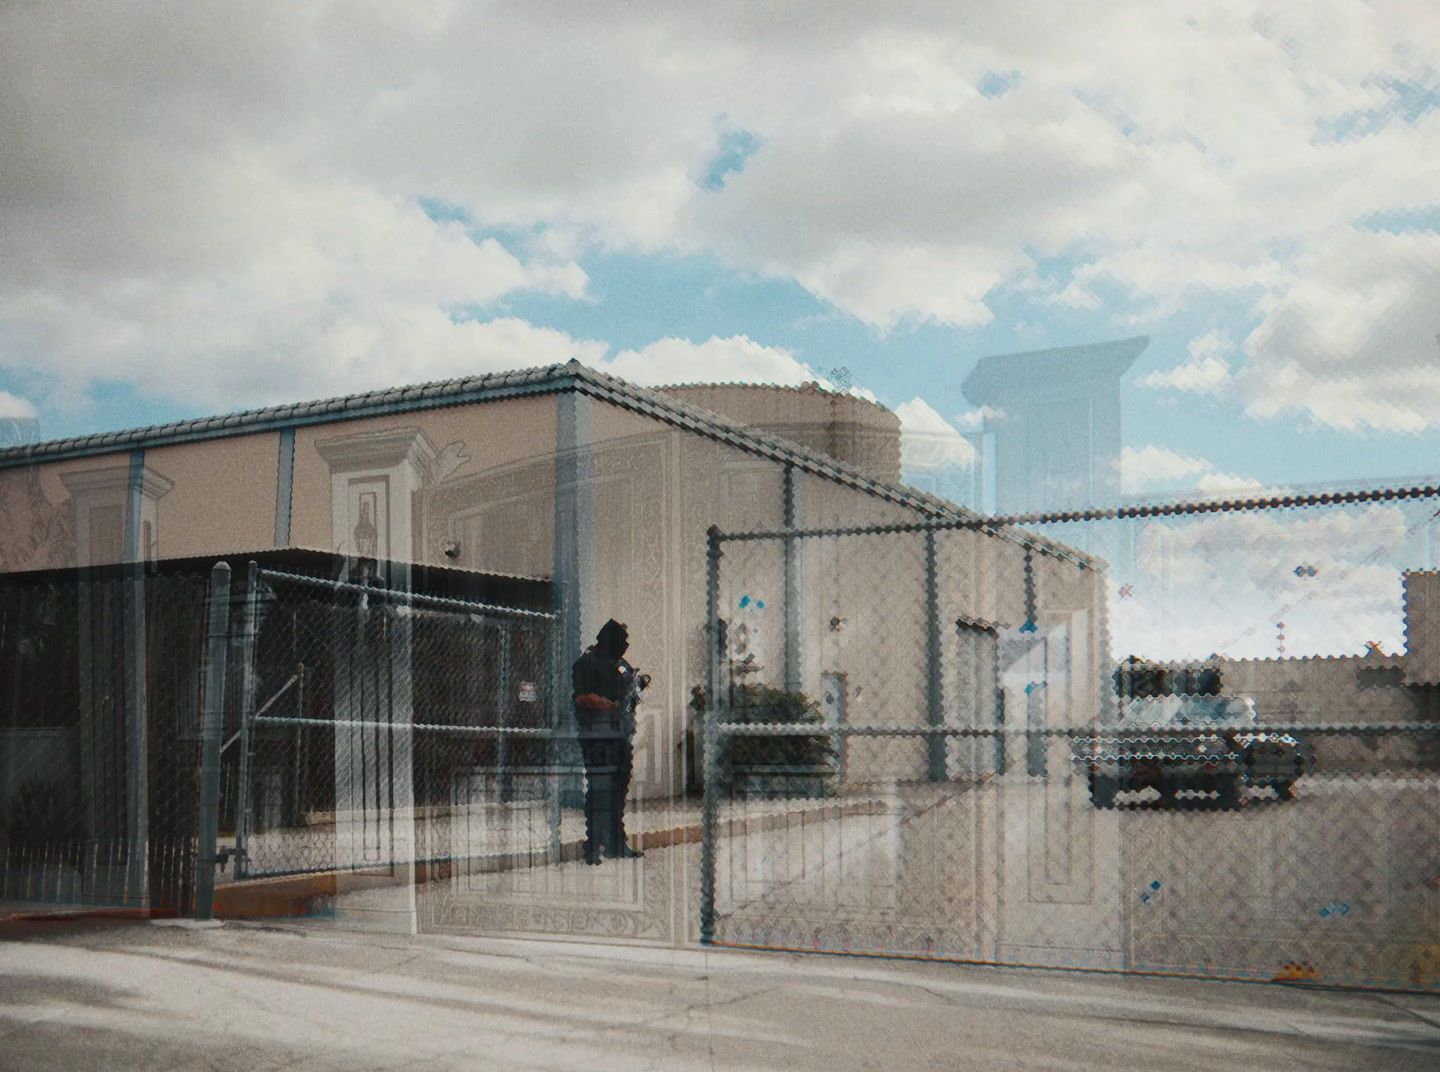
(612, 640)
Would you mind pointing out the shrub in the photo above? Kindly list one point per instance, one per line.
(770, 765)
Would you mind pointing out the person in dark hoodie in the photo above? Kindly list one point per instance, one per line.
(606, 691)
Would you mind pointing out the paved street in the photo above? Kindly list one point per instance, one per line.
(1340, 881)
(144, 996)
(1338, 885)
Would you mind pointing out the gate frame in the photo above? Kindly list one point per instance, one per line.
(487, 613)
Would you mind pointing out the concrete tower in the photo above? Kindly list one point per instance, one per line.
(1057, 438)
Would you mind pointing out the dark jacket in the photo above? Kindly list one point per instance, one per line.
(603, 671)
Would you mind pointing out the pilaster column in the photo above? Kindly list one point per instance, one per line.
(374, 481)
(117, 522)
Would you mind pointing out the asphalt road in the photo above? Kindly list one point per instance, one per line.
(143, 996)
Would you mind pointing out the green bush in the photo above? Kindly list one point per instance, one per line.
(769, 765)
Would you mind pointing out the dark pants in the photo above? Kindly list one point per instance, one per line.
(608, 755)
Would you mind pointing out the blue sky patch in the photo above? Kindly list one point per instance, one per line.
(997, 83)
(736, 148)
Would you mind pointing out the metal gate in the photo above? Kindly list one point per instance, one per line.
(1005, 786)
(99, 719)
(380, 734)
(403, 760)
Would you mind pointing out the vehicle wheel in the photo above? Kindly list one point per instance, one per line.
(1167, 785)
(1228, 790)
(1102, 790)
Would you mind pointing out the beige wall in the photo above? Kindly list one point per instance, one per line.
(1422, 627)
(1329, 692)
(222, 498)
(492, 486)
(39, 528)
(824, 503)
(851, 429)
(657, 491)
(488, 489)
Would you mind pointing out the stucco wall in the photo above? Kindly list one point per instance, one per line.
(480, 479)
(851, 429)
(222, 498)
(1329, 692)
(39, 524)
(657, 492)
(489, 484)
(1422, 627)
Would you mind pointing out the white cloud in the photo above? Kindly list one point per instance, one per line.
(928, 442)
(1140, 466)
(14, 406)
(738, 359)
(1206, 372)
(1354, 343)
(195, 196)
(1150, 469)
(1213, 483)
(293, 289)
(1222, 582)
(975, 419)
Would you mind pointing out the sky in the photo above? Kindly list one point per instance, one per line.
(206, 207)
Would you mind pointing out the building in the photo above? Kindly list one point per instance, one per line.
(571, 496)
(598, 489)
(1056, 424)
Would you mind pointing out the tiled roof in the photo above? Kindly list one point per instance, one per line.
(346, 407)
(808, 388)
(493, 386)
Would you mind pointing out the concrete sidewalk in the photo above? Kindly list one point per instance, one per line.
(117, 995)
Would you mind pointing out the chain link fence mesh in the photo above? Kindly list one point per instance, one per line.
(388, 730)
(100, 695)
(1198, 744)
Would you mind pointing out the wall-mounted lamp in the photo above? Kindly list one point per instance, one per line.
(837, 624)
(451, 548)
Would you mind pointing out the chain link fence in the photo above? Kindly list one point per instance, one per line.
(100, 692)
(1201, 742)
(382, 730)
(355, 728)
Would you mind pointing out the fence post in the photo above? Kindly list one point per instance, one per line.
(934, 699)
(217, 643)
(709, 760)
(505, 788)
(794, 660)
(557, 751)
(247, 712)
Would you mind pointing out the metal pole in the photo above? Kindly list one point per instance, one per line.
(557, 695)
(134, 643)
(934, 701)
(212, 728)
(793, 655)
(711, 737)
(998, 689)
(503, 693)
(247, 713)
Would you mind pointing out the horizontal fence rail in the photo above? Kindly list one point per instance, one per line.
(406, 597)
(414, 727)
(763, 729)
